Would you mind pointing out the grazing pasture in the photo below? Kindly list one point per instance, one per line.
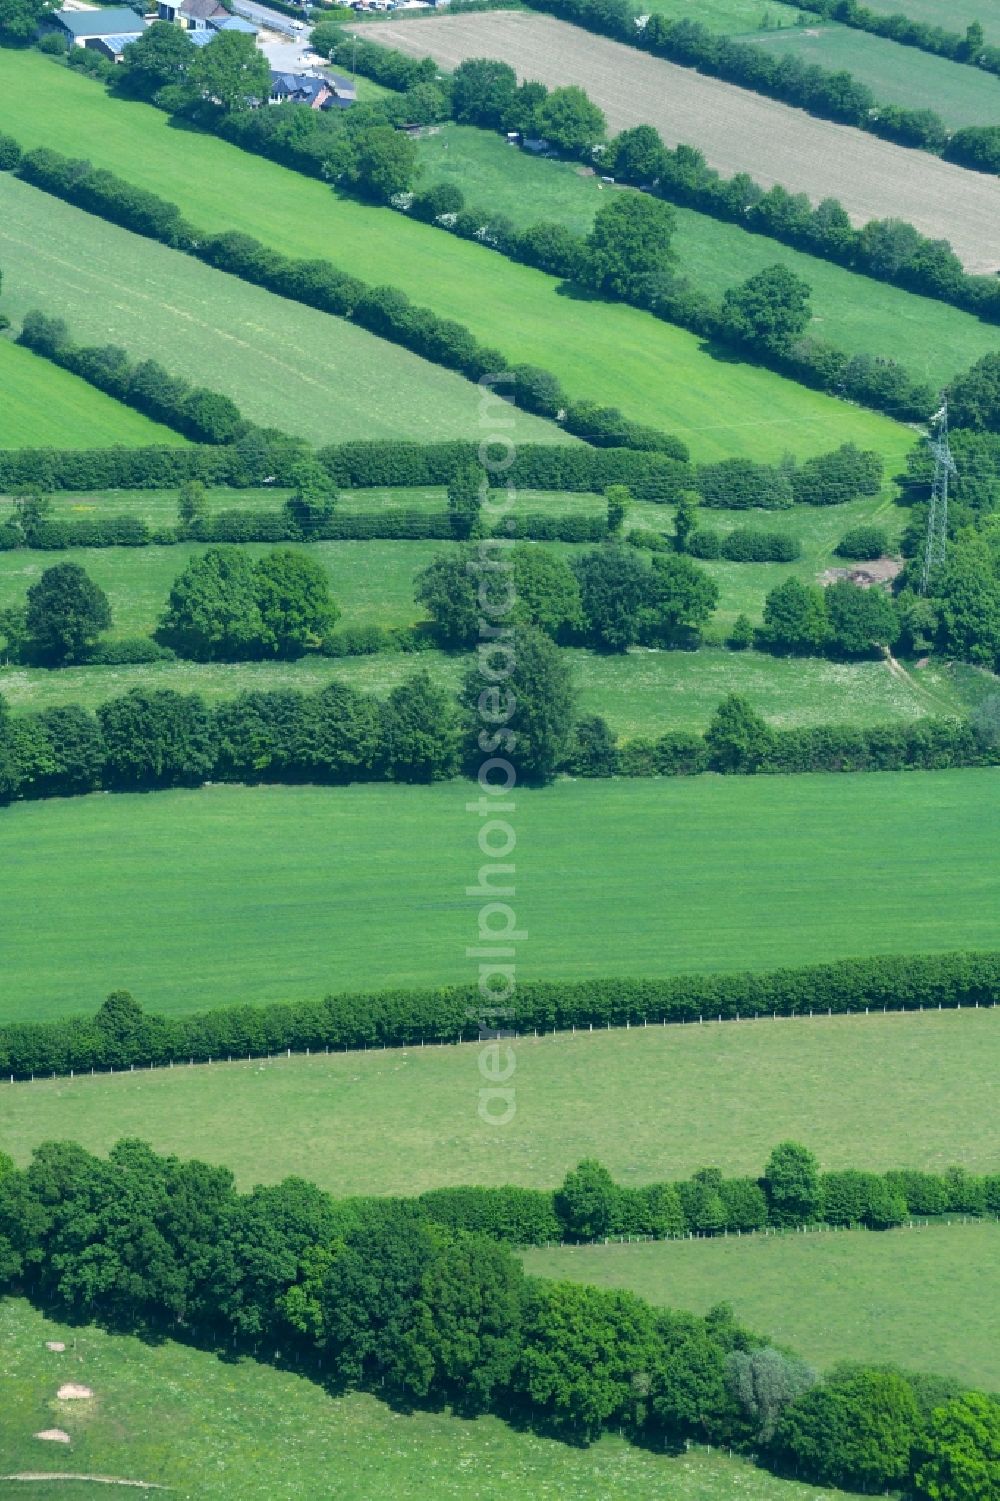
(956, 15)
(44, 407)
(604, 351)
(728, 17)
(651, 1103)
(738, 131)
(285, 365)
(928, 1299)
(932, 339)
(198, 898)
(643, 693)
(372, 582)
(895, 74)
(211, 1429)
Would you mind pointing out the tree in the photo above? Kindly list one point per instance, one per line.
(19, 18)
(341, 733)
(765, 1381)
(75, 751)
(447, 589)
(212, 610)
(792, 1185)
(613, 584)
(629, 252)
(638, 155)
(974, 398)
(160, 56)
(13, 633)
(680, 598)
(385, 163)
(466, 492)
(857, 1431)
(862, 621)
(570, 120)
(770, 308)
(192, 499)
(618, 498)
(685, 519)
(535, 702)
(795, 618)
(421, 731)
(592, 750)
(586, 1356)
(65, 615)
(231, 72)
(741, 636)
(313, 499)
(296, 608)
(958, 1458)
(157, 739)
(968, 594)
(887, 245)
(483, 93)
(587, 1202)
(472, 1297)
(547, 594)
(738, 739)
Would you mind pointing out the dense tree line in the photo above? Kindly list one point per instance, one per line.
(200, 414)
(792, 1192)
(372, 1294)
(608, 598)
(888, 250)
(264, 458)
(153, 738)
(843, 620)
(446, 1014)
(959, 614)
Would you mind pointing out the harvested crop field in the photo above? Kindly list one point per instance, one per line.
(737, 130)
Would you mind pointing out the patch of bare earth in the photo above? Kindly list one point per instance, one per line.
(880, 571)
(737, 130)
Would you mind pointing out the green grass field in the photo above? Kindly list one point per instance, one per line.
(728, 17)
(644, 693)
(895, 74)
(213, 1430)
(197, 898)
(955, 15)
(934, 341)
(651, 1103)
(285, 365)
(45, 407)
(614, 353)
(928, 1299)
(372, 581)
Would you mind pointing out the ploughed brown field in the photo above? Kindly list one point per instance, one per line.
(738, 131)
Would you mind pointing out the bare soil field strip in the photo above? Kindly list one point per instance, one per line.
(737, 130)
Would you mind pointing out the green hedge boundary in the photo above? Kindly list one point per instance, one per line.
(452, 1014)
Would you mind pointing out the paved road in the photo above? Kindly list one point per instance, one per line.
(261, 15)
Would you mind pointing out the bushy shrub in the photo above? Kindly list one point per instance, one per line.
(863, 543)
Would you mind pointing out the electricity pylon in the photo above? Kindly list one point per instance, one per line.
(937, 519)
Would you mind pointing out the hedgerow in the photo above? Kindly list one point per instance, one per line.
(376, 1294)
(408, 1017)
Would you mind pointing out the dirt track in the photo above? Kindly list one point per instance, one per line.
(738, 131)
